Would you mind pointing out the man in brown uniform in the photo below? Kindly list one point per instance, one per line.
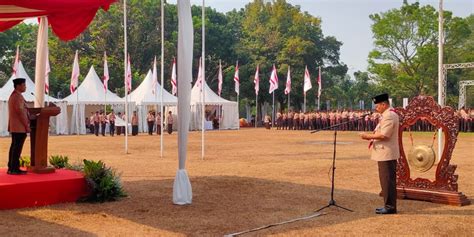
(169, 122)
(18, 125)
(134, 123)
(385, 150)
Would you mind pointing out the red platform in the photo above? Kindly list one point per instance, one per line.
(33, 190)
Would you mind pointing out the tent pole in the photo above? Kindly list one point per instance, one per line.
(203, 74)
(125, 70)
(162, 71)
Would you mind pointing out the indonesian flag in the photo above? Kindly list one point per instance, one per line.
(256, 80)
(46, 76)
(106, 73)
(236, 78)
(199, 78)
(75, 73)
(174, 83)
(128, 77)
(288, 82)
(17, 61)
(219, 79)
(307, 81)
(319, 83)
(273, 80)
(154, 77)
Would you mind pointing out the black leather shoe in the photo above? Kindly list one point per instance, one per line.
(378, 209)
(16, 172)
(386, 211)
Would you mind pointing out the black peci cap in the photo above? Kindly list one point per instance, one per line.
(18, 81)
(380, 98)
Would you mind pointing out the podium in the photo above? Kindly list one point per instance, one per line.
(39, 123)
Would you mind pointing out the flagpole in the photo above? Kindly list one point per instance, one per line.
(77, 101)
(256, 109)
(203, 75)
(273, 108)
(304, 103)
(162, 71)
(125, 70)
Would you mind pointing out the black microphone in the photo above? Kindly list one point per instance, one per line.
(36, 99)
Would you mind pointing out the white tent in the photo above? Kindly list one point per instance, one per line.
(143, 97)
(59, 123)
(90, 92)
(228, 109)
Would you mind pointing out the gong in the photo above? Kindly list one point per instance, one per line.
(421, 158)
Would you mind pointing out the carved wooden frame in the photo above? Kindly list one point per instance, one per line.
(425, 107)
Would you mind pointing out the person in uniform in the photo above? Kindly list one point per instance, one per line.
(18, 125)
(96, 123)
(151, 122)
(134, 123)
(158, 123)
(169, 122)
(112, 123)
(103, 122)
(385, 150)
(91, 123)
(266, 121)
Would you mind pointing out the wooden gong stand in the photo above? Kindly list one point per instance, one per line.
(444, 189)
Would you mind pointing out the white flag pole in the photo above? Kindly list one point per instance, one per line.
(125, 70)
(203, 75)
(256, 109)
(304, 103)
(162, 71)
(273, 108)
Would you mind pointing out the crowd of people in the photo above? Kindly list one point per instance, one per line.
(351, 120)
(97, 123)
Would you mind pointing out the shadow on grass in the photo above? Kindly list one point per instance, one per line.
(224, 205)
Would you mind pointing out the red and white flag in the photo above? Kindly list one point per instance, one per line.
(106, 73)
(319, 83)
(174, 83)
(288, 82)
(75, 73)
(273, 80)
(17, 61)
(128, 77)
(219, 79)
(154, 77)
(46, 76)
(307, 81)
(256, 81)
(236, 78)
(199, 78)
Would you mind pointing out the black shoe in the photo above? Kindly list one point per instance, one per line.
(378, 209)
(16, 172)
(386, 211)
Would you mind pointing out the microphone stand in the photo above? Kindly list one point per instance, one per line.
(335, 127)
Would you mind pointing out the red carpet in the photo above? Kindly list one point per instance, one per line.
(32, 190)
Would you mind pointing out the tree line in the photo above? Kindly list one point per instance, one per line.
(262, 33)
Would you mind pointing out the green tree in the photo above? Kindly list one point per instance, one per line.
(404, 60)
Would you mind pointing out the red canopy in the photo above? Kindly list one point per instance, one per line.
(68, 18)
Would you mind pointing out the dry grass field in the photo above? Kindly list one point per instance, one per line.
(249, 178)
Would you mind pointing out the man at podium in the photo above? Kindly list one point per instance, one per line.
(18, 125)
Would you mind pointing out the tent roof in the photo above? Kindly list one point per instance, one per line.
(143, 93)
(8, 88)
(210, 97)
(68, 18)
(91, 92)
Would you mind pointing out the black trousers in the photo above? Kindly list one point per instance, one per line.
(388, 182)
(158, 129)
(112, 128)
(134, 130)
(170, 128)
(96, 128)
(18, 139)
(151, 124)
(103, 125)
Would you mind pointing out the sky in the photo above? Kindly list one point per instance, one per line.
(348, 20)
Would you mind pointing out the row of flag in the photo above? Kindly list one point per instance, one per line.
(273, 80)
(128, 79)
